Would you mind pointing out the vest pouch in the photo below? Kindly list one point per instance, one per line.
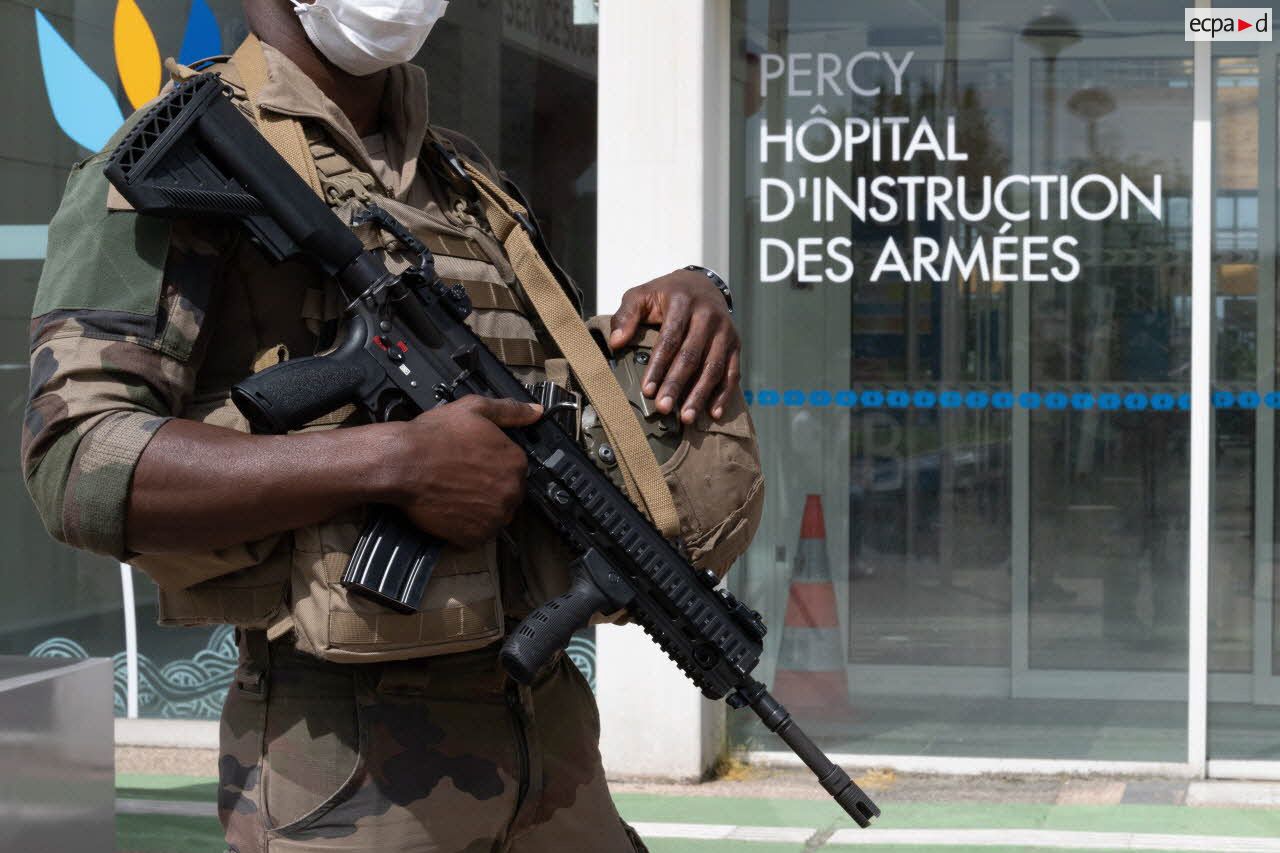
(461, 607)
(251, 597)
(712, 466)
(243, 585)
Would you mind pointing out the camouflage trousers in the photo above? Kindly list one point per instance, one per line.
(438, 755)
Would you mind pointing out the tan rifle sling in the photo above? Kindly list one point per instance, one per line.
(640, 470)
(283, 132)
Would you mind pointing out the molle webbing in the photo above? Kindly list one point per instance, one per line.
(443, 244)
(517, 352)
(430, 627)
(340, 178)
(487, 296)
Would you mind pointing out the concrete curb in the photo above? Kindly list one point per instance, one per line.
(1257, 794)
(182, 734)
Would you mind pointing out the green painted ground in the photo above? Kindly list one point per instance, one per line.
(181, 788)
(814, 813)
(672, 846)
(160, 834)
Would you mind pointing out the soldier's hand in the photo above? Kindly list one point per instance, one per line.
(696, 363)
(460, 477)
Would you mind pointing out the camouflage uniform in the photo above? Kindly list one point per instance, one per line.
(138, 321)
(444, 754)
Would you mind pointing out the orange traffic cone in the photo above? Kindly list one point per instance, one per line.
(811, 673)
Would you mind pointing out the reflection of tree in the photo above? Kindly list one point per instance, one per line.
(1237, 351)
(1133, 324)
(950, 332)
(1093, 105)
(975, 132)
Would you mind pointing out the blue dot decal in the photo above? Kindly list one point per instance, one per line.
(871, 399)
(924, 399)
(1079, 400)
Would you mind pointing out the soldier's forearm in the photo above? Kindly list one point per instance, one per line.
(199, 487)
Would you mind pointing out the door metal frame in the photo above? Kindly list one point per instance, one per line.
(1200, 504)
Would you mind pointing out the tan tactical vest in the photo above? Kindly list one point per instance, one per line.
(265, 313)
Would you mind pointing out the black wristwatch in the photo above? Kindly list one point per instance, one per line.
(717, 281)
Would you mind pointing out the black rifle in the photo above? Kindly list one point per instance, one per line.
(404, 349)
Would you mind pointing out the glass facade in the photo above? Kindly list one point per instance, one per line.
(977, 443)
(518, 77)
(999, 447)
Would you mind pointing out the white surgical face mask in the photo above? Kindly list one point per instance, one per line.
(363, 37)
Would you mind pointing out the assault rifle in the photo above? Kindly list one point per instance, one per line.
(404, 348)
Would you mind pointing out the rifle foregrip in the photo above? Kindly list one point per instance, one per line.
(548, 629)
(290, 395)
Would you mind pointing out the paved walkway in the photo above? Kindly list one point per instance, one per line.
(760, 812)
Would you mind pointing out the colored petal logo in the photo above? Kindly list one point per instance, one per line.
(137, 54)
(83, 105)
(202, 38)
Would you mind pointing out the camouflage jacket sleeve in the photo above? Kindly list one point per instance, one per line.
(115, 343)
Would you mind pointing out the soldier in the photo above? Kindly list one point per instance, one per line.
(345, 728)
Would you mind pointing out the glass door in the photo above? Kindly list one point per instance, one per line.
(987, 467)
(1244, 631)
(1107, 355)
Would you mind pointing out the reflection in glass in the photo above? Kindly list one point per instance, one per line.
(1009, 539)
(1108, 544)
(1244, 652)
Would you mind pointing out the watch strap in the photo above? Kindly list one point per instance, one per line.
(717, 280)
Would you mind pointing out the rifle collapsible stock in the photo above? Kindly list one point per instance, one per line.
(404, 348)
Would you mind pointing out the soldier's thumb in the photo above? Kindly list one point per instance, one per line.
(505, 413)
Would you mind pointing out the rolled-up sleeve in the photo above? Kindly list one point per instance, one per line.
(115, 343)
(94, 406)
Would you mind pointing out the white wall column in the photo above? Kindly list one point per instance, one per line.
(663, 197)
(1201, 499)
